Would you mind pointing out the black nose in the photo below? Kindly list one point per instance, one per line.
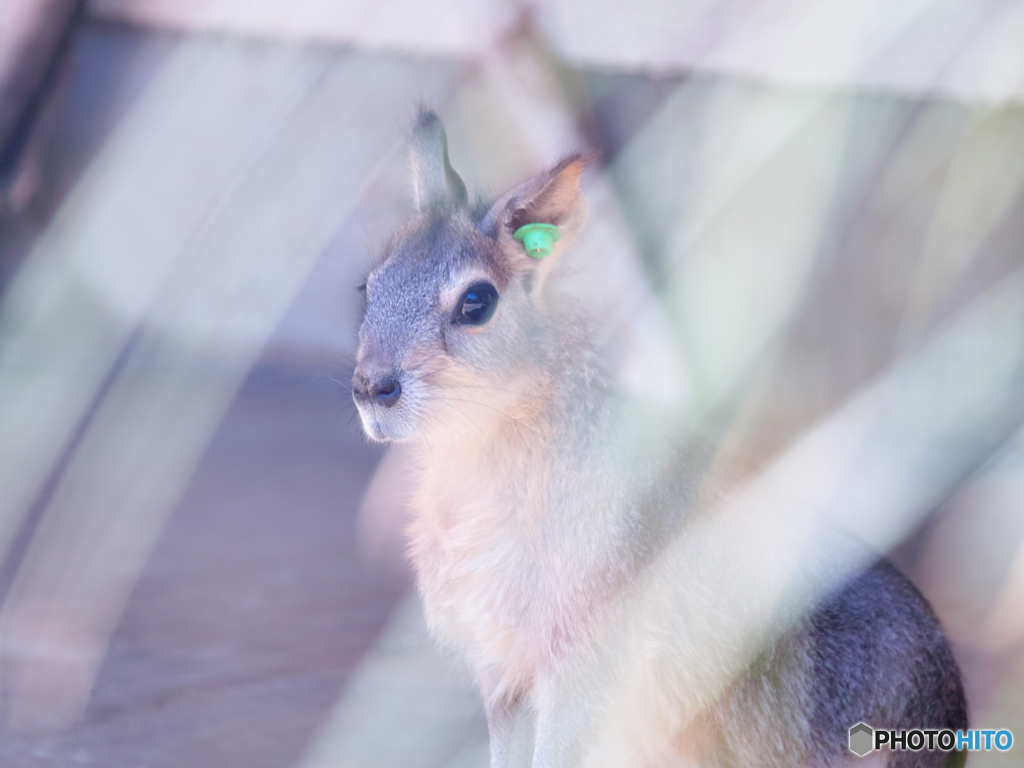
(386, 391)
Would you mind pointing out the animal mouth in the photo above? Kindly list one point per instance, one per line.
(386, 417)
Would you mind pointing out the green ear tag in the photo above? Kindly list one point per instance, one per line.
(538, 239)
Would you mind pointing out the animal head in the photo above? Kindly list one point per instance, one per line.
(458, 322)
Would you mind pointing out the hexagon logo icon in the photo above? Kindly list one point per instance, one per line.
(862, 737)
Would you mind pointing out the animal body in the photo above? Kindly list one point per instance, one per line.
(553, 529)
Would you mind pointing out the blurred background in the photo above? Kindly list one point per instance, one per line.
(818, 207)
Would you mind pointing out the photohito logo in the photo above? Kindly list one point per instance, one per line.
(865, 739)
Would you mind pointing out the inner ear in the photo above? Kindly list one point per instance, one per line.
(548, 198)
(555, 199)
(521, 216)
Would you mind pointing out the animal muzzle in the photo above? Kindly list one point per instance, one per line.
(383, 390)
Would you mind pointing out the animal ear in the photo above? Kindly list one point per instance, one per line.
(435, 183)
(550, 198)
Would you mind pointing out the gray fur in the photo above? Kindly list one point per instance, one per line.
(880, 657)
(435, 183)
(553, 517)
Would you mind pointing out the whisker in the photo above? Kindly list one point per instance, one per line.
(464, 417)
(486, 386)
(450, 409)
(427, 374)
(474, 402)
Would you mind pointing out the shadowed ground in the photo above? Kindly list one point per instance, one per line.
(254, 608)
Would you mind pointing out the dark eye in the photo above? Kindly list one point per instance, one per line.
(477, 304)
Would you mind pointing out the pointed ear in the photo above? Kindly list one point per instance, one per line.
(550, 198)
(553, 197)
(435, 183)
